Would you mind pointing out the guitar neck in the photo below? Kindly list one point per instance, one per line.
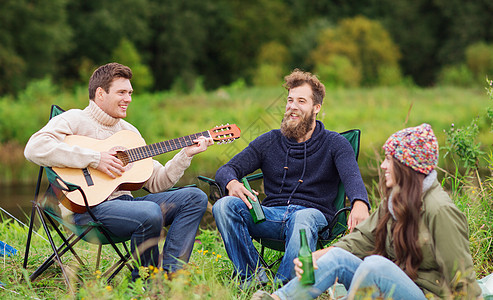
(151, 150)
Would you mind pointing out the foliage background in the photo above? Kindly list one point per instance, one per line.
(219, 41)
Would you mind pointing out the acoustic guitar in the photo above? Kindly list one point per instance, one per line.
(137, 159)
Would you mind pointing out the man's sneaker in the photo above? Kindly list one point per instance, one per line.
(261, 295)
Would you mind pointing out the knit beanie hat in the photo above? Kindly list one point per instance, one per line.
(415, 147)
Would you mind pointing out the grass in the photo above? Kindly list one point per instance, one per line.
(209, 275)
(377, 112)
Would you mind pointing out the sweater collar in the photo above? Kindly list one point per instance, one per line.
(99, 115)
(308, 147)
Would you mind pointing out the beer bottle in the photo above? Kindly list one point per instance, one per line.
(256, 210)
(305, 256)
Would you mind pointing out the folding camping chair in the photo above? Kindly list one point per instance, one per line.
(336, 228)
(46, 208)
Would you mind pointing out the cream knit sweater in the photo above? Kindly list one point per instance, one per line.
(46, 147)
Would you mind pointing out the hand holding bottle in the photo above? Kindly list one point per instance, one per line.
(256, 211)
(298, 266)
(307, 274)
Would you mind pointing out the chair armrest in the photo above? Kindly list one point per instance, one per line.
(254, 177)
(333, 223)
(215, 191)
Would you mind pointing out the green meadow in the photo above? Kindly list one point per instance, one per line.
(378, 112)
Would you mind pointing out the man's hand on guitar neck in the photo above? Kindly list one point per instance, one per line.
(201, 145)
(110, 164)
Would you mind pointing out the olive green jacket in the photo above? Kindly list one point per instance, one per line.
(447, 267)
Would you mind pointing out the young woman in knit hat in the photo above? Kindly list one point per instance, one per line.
(414, 246)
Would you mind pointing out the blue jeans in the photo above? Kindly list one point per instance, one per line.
(354, 273)
(282, 224)
(143, 218)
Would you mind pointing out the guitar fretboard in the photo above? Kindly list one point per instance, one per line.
(151, 150)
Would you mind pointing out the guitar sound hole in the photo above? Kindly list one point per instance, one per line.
(123, 157)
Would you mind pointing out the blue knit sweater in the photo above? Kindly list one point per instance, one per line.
(304, 174)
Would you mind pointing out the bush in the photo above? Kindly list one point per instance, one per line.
(479, 59)
(339, 71)
(272, 61)
(268, 75)
(458, 75)
(126, 54)
(364, 42)
(389, 75)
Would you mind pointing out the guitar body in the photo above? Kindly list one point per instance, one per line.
(135, 175)
(137, 159)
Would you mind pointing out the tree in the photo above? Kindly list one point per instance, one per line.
(180, 30)
(364, 42)
(99, 26)
(272, 64)
(33, 35)
(126, 54)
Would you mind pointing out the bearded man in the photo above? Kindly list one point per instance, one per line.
(302, 164)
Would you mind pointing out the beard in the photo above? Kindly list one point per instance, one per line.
(297, 129)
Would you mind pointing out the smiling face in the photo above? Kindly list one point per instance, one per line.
(116, 101)
(388, 167)
(299, 117)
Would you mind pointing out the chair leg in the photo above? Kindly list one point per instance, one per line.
(65, 241)
(98, 259)
(55, 252)
(66, 246)
(263, 261)
(118, 265)
(29, 235)
(129, 255)
(33, 215)
(123, 258)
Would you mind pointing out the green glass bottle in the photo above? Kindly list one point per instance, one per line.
(305, 256)
(256, 210)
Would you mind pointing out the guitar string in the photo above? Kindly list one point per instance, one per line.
(152, 150)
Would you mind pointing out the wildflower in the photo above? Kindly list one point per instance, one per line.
(205, 251)
(143, 272)
(109, 288)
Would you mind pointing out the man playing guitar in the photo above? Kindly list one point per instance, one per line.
(142, 218)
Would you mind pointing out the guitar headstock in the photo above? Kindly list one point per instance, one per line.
(225, 133)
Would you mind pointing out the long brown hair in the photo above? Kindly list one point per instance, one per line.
(406, 203)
